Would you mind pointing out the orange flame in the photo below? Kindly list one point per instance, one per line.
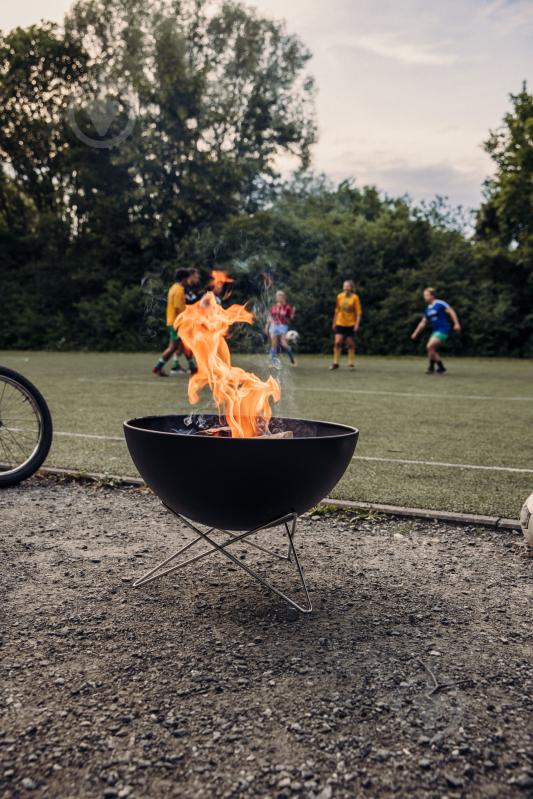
(242, 398)
(218, 276)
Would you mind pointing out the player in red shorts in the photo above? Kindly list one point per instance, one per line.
(279, 318)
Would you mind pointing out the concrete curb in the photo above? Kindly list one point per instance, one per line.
(96, 477)
(494, 522)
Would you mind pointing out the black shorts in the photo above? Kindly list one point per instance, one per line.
(340, 330)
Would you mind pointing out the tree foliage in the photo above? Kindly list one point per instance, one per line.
(504, 228)
(90, 235)
(218, 94)
(316, 236)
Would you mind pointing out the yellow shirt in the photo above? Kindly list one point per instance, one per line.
(175, 302)
(347, 309)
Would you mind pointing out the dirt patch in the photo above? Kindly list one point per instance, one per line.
(412, 677)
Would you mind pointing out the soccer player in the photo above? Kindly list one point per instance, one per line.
(192, 292)
(175, 305)
(281, 313)
(439, 314)
(346, 322)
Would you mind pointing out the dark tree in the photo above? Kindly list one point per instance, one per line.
(505, 229)
(218, 94)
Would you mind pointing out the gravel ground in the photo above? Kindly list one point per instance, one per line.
(412, 677)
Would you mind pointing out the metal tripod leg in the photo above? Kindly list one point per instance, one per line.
(290, 530)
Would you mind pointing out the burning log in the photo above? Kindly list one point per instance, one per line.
(225, 432)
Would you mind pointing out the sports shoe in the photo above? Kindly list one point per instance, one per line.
(334, 366)
(441, 368)
(159, 372)
(177, 370)
(351, 366)
(431, 369)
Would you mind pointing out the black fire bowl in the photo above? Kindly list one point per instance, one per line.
(238, 483)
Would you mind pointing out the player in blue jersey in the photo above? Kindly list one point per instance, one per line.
(443, 320)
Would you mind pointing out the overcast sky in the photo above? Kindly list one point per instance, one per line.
(407, 89)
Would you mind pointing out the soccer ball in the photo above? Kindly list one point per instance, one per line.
(526, 520)
(293, 336)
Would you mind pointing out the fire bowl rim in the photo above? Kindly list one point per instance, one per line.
(347, 430)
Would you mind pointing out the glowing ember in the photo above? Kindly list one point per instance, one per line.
(242, 398)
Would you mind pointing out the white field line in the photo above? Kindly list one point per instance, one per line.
(355, 457)
(117, 381)
(369, 392)
(74, 435)
(443, 463)
(416, 395)
(90, 435)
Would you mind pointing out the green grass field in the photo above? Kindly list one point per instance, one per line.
(480, 414)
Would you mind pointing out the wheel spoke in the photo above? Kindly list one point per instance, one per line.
(25, 433)
(16, 398)
(5, 458)
(7, 449)
(15, 440)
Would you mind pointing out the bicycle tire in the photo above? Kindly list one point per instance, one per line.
(15, 475)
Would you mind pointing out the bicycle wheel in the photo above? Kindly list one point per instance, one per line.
(25, 428)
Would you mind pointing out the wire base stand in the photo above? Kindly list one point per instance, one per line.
(289, 525)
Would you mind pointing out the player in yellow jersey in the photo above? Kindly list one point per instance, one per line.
(346, 321)
(175, 305)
